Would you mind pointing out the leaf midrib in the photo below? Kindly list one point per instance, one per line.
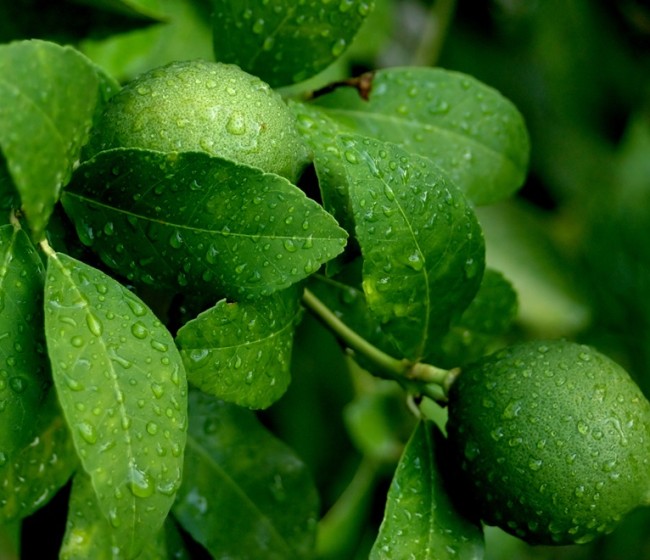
(401, 122)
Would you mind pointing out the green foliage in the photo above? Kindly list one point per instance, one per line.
(254, 256)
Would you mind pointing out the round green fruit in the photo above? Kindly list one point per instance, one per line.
(553, 440)
(204, 106)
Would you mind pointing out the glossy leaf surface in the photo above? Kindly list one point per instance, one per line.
(467, 128)
(241, 352)
(421, 519)
(48, 95)
(488, 316)
(191, 221)
(321, 134)
(122, 388)
(244, 493)
(285, 42)
(422, 246)
(40, 468)
(89, 535)
(24, 373)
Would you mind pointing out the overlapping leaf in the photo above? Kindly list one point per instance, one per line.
(421, 519)
(122, 388)
(468, 129)
(241, 352)
(192, 221)
(488, 316)
(48, 95)
(40, 468)
(423, 250)
(321, 134)
(24, 373)
(89, 534)
(285, 42)
(244, 493)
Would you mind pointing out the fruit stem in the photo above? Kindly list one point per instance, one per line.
(416, 377)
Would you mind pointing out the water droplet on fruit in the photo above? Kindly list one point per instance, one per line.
(236, 124)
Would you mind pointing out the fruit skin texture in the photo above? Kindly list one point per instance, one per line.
(197, 105)
(553, 439)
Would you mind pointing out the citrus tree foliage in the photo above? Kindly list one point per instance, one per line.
(241, 293)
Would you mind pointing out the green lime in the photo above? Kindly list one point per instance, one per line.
(211, 107)
(553, 439)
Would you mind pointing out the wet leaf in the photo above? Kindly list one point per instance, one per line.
(122, 388)
(40, 468)
(422, 247)
(321, 134)
(489, 316)
(467, 128)
(24, 372)
(241, 352)
(48, 95)
(244, 493)
(421, 519)
(89, 535)
(192, 221)
(343, 294)
(285, 42)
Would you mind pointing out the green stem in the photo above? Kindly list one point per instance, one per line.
(434, 33)
(339, 529)
(418, 377)
(392, 367)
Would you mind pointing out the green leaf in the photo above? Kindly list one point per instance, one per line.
(41, 468)
(241, 352)
(285, 42)
(343, 294)
(421, 519)
(122, 388)
(321, 134)
(192, 221)
(141, 9)
(422, 247)
(489, 315)
(244, 493)
(24, 372)
(551, 304)
(126, 55)
(48, 95)
(467, 128)
(89, 535)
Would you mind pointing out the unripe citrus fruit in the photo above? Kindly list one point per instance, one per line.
(198, 105)
(553, 439)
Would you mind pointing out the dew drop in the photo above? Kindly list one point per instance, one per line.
(140, 483)
(236, 124)
(87, 432)
(17, 384)
(94, 324)
(152, 428)
(139, 330)
(338, 47)
(159, 346)
(158, 390)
